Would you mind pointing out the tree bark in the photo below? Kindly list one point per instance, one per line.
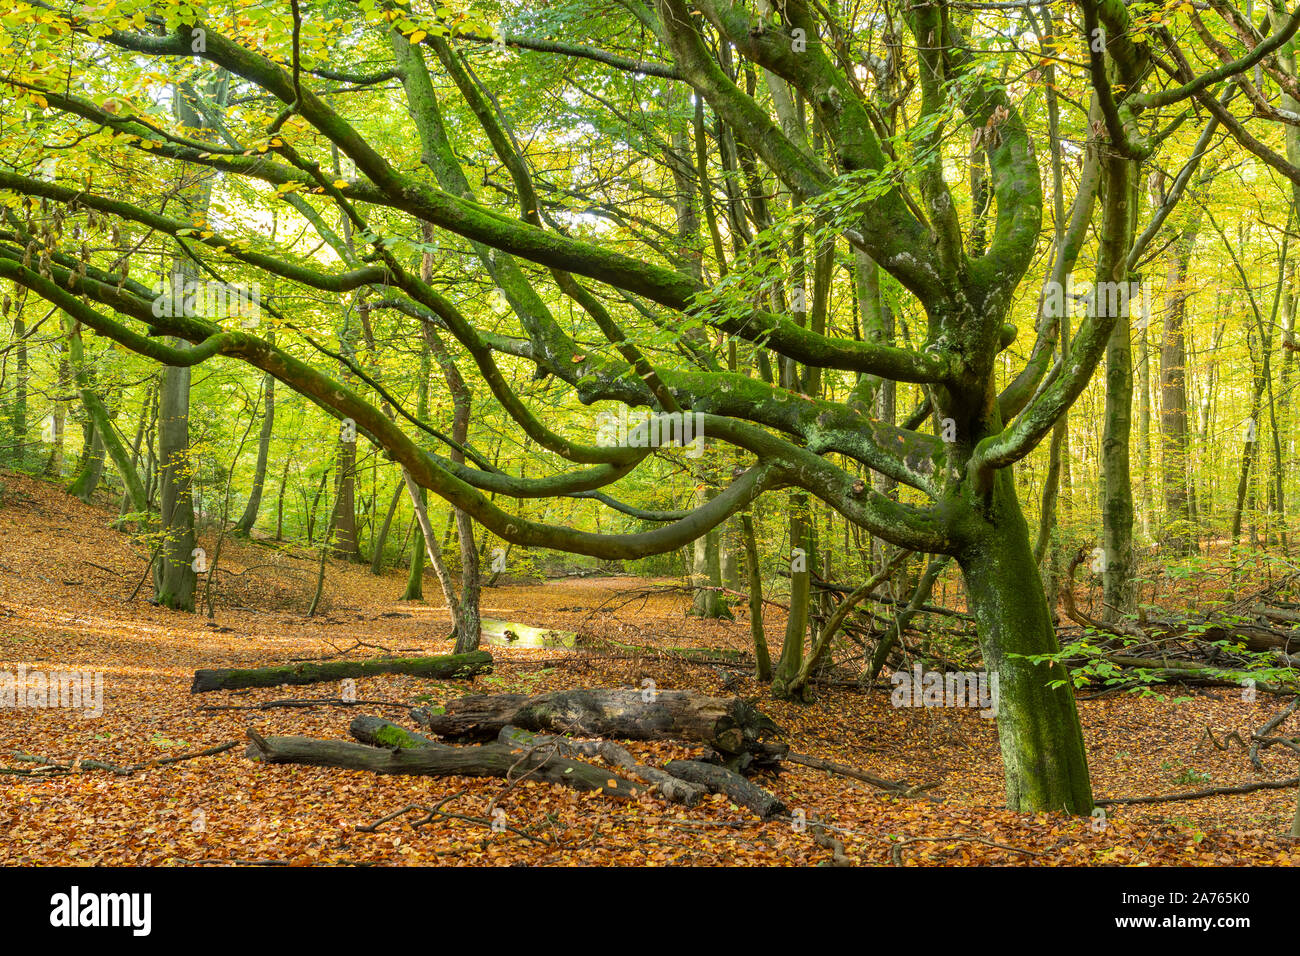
(1038, 726)
(796, 626)
(1118, 585)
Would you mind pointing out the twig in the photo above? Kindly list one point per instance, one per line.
(896, 847)
(1263, 738)
(307, 702)
(77, 764)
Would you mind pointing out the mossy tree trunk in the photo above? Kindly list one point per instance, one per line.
(1043, 756)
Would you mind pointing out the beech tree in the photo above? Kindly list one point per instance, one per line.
(841, 137)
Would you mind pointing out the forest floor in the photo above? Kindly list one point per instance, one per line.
(65, 586)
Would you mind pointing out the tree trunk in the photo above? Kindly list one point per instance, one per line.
(147, 413)
(1144, 421)
(706, 562)
(469, 626)
(762, 660)
(706, 574)
(54, 465)
(1038, 726)
(1119, 593)
(1177, 536)
(791, 660)
(465, 609)
(419, 500)
(671, 788)
(1249, 445)
(91, 467)
(97, 413)
(377, 559)
(249, 517)
(173, 571)
(344, 525)
(18, 406)
(174, 574)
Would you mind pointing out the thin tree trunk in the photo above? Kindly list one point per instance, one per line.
(802, 557)
(762, 660)
(248, 519)
(377, 560)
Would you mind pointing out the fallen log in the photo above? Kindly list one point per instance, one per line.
(1207, 629)
(378, 732)
(1175, 670)
(442, 667)
(729, 725)
(487, 760)
(671, 788)
(736, 788)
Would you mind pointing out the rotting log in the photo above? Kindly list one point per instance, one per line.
(486, 760)
(736, 788)
(669, 787)
(729, 725)
(441, 667)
